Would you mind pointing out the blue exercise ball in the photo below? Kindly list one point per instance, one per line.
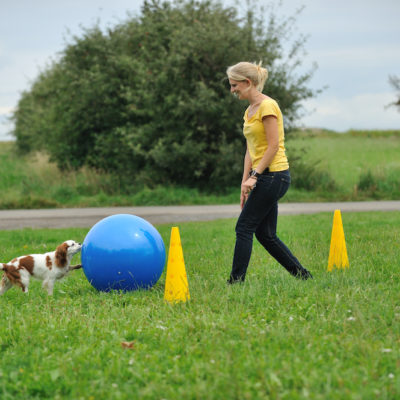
(123, 252)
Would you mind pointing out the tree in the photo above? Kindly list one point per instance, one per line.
(148, 100)
(395, 83)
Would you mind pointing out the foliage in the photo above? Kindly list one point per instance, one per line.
(374, 133)
(345, 157)
(325, 167)
(274, 337)
(376, 184)
(148, 99)
(308, 174)
(395, 83)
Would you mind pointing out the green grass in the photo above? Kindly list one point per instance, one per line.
(363, 166)
(335, 337)
(31, 181)
(347, 156)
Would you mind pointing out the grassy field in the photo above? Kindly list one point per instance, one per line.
(362, 166)
(335, 337)
(347, 156)
(33, 182)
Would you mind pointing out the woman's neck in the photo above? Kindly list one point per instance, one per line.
(255, 97)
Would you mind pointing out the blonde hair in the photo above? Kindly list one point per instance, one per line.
(246, 70)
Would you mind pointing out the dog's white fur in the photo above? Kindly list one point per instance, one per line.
(47, 267)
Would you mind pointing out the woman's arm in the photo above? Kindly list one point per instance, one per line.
(271, 132)
(244, 193)
(246, 166)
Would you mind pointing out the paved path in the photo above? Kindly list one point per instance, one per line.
(87, 217)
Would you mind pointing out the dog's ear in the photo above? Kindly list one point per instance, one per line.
(12, 274)
(61, 255)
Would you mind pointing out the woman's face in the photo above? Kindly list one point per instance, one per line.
(239, 88)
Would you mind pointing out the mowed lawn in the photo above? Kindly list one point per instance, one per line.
(274, 337)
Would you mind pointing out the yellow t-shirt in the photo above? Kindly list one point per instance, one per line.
(253, 130)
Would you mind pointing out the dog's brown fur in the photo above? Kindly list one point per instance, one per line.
(47, 267)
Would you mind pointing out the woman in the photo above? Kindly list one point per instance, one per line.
(266, 176)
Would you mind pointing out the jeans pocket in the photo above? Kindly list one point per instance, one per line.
(286, 179)
(284, 185)
(265, 180)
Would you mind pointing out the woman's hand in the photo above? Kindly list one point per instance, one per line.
(247, 187)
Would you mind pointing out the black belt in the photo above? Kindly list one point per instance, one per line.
(265, 172)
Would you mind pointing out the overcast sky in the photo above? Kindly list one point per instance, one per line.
(356, 44)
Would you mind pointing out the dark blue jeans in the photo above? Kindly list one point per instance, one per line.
(259, 216)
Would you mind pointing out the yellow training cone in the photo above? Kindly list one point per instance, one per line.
(176, 283)
(337, 253)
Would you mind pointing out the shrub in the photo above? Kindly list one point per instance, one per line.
(308, 174)
(148, 100)
(380, 184)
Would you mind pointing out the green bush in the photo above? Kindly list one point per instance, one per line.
(148, 100)
(374, 133)
(382, 184)
(367, 181)
(308, 174)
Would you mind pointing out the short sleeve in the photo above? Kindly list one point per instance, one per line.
(268, 108)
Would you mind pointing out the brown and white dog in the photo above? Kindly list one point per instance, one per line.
(47, 267)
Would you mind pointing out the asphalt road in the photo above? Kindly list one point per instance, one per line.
(87, 217)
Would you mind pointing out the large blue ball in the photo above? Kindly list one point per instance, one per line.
(123, 252)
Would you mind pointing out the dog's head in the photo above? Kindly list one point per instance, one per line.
(65, 251)
(72, 247)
